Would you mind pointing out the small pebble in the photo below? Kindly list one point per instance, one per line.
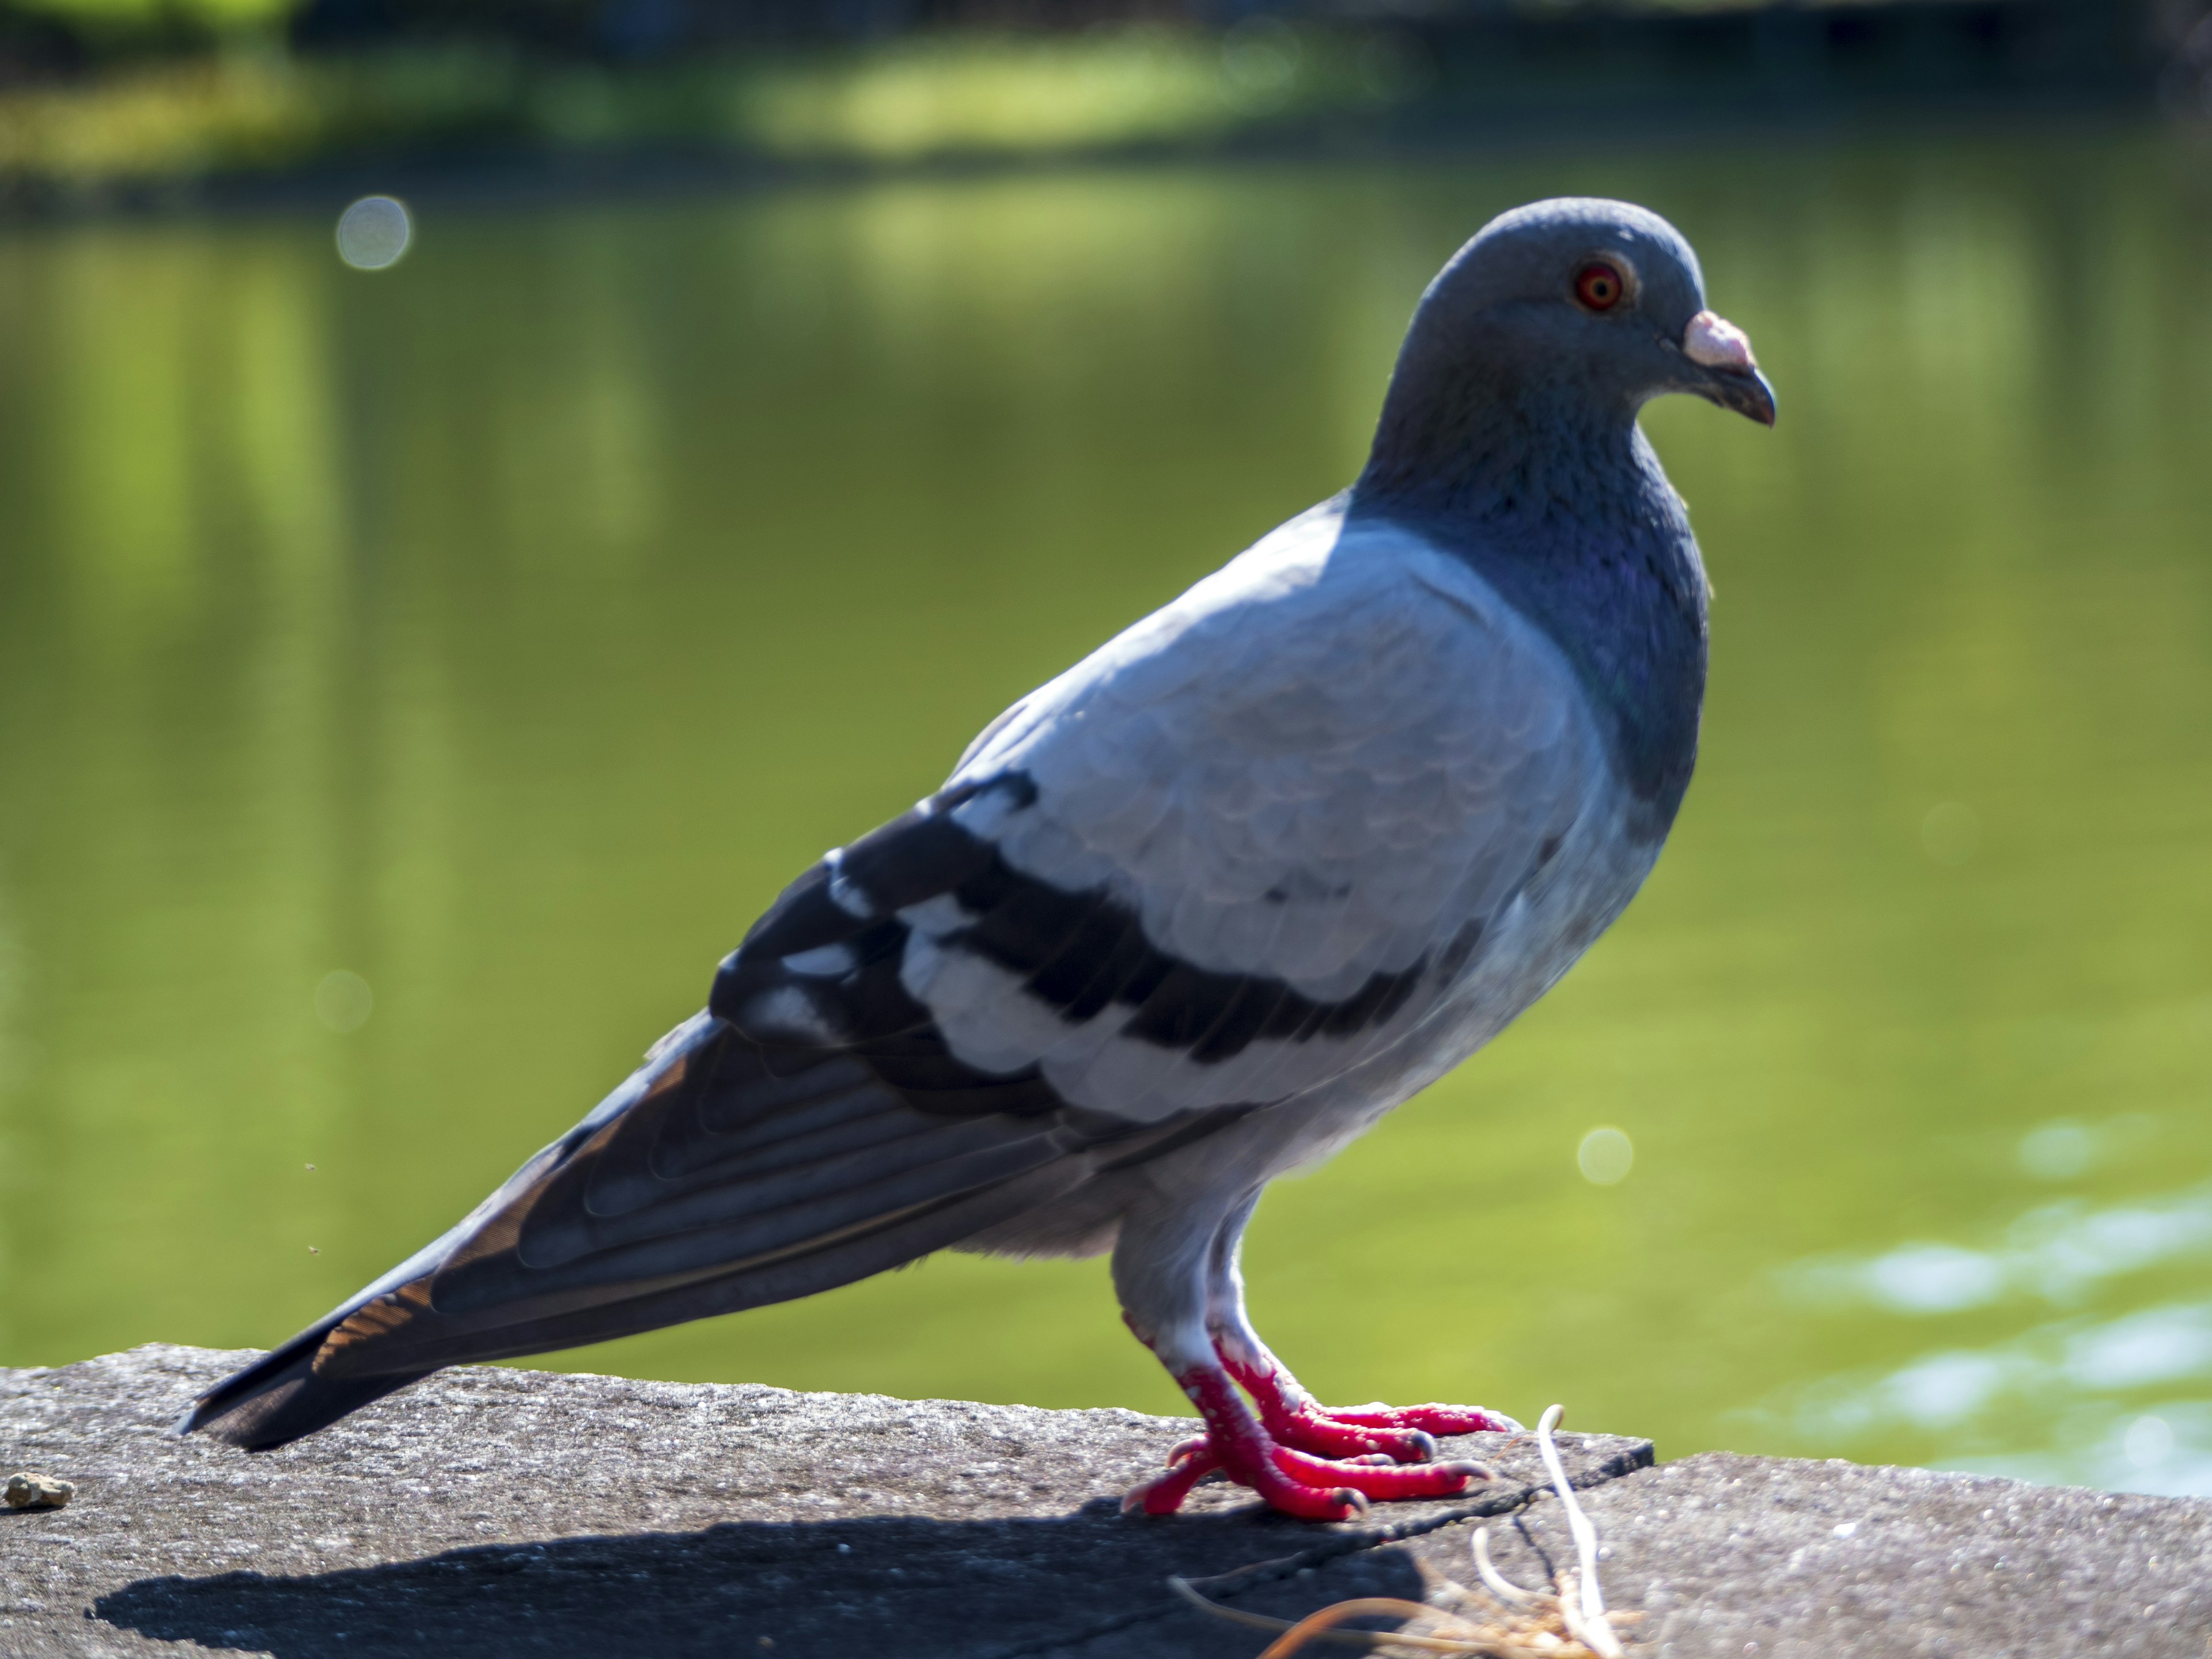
(37, 1491)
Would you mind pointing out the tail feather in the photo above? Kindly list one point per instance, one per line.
(727, 1173)
(278, 1398)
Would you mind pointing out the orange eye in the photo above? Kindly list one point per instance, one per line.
(1599, 286)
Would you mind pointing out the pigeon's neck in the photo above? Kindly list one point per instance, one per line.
(1465, 441)
(1572, 521)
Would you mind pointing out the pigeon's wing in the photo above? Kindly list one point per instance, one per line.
(1260, 838)
(1237, 851)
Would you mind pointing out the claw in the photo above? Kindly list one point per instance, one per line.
(1184, 1449)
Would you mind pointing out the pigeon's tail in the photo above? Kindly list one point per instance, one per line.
(278, 1398)
(725, 1174)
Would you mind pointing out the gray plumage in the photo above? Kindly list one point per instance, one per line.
(1200, 909)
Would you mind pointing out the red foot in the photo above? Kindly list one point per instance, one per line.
(1291, 1480)
(1404, 1433)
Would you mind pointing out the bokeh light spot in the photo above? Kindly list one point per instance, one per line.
(2147, 1443)
(374, 233)
(344, 1001)
(1606, 1157)
(1950, 833)
(1259, 64)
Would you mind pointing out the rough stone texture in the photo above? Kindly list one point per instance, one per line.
(499, 1512)
(496, 1512)
(1772, 1556)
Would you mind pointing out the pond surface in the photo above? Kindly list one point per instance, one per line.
(412, 683)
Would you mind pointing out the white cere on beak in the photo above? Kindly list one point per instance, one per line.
(1713, 341)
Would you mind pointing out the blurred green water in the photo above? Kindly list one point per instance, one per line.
(504, 628)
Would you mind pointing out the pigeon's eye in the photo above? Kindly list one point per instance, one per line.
(1599, 286)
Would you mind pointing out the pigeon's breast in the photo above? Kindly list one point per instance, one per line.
(1621, 592)
(1531, 944)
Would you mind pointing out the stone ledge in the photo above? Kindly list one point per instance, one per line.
(499, 1512)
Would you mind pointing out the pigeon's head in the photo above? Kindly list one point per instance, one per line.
(1566, 313)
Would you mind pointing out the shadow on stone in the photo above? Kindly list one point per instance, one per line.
(912, 1587)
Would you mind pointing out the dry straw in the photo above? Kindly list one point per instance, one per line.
(1500, 1619)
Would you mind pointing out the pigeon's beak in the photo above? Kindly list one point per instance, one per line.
(1731, 377)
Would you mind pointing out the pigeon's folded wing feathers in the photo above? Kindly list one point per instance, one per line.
(1310, 787)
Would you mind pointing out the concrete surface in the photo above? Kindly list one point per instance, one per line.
(501, 1512)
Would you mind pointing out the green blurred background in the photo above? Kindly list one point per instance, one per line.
(412, 681)
(163, 102)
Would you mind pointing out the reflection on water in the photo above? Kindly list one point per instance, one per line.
(412, 682)
(2101, 1384)
(2059, 1252)
(2077, 1402)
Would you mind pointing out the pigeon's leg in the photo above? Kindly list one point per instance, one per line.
(1295, 1418)
(1163, 1269)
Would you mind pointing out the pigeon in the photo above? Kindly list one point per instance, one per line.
(1200, 910)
